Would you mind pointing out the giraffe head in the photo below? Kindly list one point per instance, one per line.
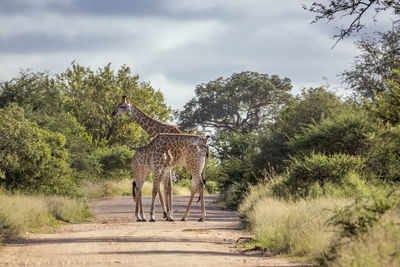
(122, 108)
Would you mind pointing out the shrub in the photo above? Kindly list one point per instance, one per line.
(115, 161)
(78, 142)
(33, 159)
(368, 231)
(344, 133)
(383, 158)
(310, 175)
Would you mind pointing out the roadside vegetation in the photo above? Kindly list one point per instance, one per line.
(21, 213)
(314, 175)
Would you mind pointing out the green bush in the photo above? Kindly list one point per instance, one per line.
(312, 175)
(78, 142)
(115, 161)
(33, 159)
(345, 132)
(386, 105)
(383, 158)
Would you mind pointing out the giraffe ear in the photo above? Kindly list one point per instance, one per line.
(124, 99)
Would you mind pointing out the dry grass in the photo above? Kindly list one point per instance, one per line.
(379, 247)
(293, 228)
(108, 188)
(21, 213)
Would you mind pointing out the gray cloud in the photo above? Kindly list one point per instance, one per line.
(174, 44)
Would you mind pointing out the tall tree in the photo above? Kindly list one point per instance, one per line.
(373, 67)
(92, 96)
(242, 103)
(36, 90)
(387, 104)
(355, 10)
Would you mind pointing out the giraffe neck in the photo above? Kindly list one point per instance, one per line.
(150, 125)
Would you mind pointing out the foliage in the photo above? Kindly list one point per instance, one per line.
(115, 161)
(346, 132)
(92, 96)
(386, 105)
(383, 158)
(309, 176)
(235, 152)
(356, 221)
(373, 67)
(32, 159)
(36, 90)
(78, 142)
(313, 105)
(356, 10)
(379, 247)
(243, 103)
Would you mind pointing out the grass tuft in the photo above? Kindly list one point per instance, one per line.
(287, 227)
(21, 213)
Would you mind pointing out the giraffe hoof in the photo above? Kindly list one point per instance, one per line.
(152, 220)
(165, 214)
(143, 220)
(201, 220)
(171, 220)
(183, 219)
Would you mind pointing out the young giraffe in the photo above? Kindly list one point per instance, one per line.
(193, 151)
(142, 166)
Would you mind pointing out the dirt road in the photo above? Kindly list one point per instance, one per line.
(114, 238)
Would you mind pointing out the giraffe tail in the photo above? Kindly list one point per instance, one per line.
(204, 182)
(133, 190)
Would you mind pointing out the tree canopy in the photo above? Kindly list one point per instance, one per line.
(242, 103)
(373, 67)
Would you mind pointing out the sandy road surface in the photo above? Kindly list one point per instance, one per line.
(114, 238)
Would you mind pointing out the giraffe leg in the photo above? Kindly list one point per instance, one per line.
(156, 186)
(162, 201)
(166, 194)
(171, 208)
(137, 207)
(189, 204)
(143, 217)
(203, 210)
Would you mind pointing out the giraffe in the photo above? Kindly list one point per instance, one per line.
(163, 151)
(152, 127)
(142, 165)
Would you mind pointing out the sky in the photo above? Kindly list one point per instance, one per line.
(174, 44)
